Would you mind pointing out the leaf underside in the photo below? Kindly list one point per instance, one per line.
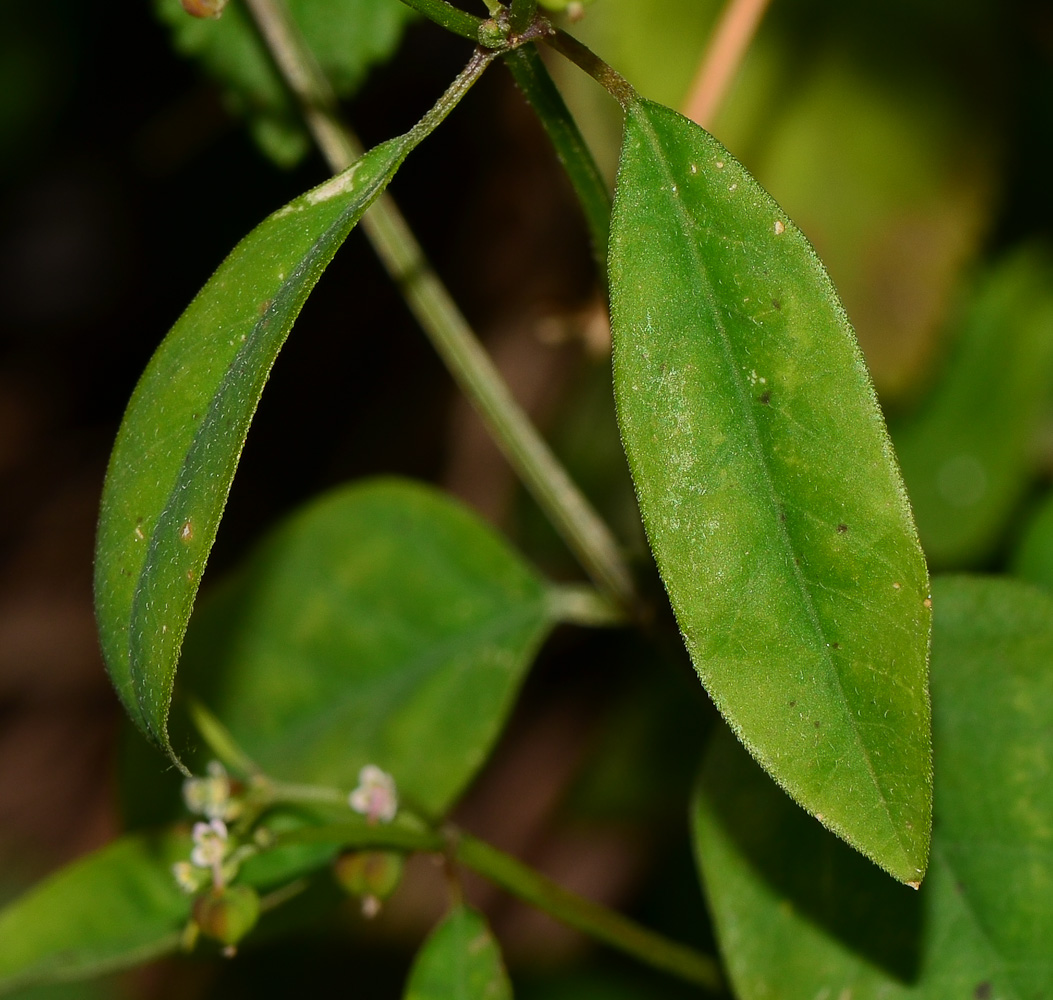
(769, 489)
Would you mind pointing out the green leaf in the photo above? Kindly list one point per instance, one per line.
(112, 909)
(459, 961)
(799, 916)
(383, 624)
(347, 37)
(1033, 558)
(183, 432)
(769, 489)
(968, 456)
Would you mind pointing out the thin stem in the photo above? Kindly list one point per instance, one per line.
(521, 15)
(578, 523)
(727, 48)
(361, 836)
(529, 72)
(302, 795)
(613, 82)
(521, 881)
(584, 915)
(220, 741)
(584, 606)
(460, 22)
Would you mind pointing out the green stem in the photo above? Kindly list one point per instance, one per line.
(533, 79)
(580, 526)
(460, 22)
(220, 741)
(521, 15)
(363, 836)
(583, 915)
(584, 606)
(575, 911)
(614, 83)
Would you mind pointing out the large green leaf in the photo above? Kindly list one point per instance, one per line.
(112, 909)
(800, 916)
(347, 37)
(969, 454)
(183, 432)
(383, 624)
(769, 489)
(459, 961)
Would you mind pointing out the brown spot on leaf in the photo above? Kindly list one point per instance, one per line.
(982, 991)
(765, 397)
(186, 533)
(842, 528)
(776, 303)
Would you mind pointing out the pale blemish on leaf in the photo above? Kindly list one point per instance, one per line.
(340, 184)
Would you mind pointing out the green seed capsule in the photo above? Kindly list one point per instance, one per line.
(229, 914)
(369, 873)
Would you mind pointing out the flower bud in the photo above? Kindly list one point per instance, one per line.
(204, 8)
(228, 915)
(369, 874)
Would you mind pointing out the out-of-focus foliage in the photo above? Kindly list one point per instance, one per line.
(347, 37)
(969, 454)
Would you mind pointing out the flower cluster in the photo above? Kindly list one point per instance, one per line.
(375, 797)
(212, 797)
(215, 856)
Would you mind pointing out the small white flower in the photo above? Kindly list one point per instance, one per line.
(187, 877)
(376, 797)
(211, 796)
(210, 844)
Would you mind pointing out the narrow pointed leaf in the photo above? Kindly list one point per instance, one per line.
(381, 624)
(799, 916)
(459, 961)
(110, 910)
(769, 489)
(183, 432)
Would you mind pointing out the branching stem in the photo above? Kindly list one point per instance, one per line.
(577, 522)
(600, 923)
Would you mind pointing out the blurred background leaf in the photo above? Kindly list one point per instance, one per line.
(970, 453)
(382, 624)
(348, 37)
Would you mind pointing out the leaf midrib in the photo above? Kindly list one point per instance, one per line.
(690, 227)
(287, 291)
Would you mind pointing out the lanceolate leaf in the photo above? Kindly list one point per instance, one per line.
(383, 624)
(798, 916)
(769, 488)
(112, 909)
(460, 961)
(183, 432)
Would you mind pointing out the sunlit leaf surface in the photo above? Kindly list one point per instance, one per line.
(799, 916)
(769, 490)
